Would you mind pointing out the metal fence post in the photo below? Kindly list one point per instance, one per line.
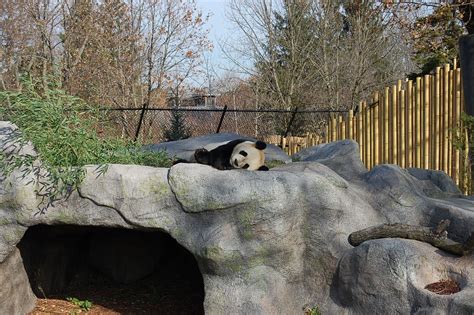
(290, 122)
(222, 118)
(142, 114)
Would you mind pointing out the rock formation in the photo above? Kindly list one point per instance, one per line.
(270, 242)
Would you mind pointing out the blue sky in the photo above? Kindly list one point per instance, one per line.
(219, 27)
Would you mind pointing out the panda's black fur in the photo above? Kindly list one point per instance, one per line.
(220, 156)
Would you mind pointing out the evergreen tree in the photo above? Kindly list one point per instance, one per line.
(178, 129)
(435, 39)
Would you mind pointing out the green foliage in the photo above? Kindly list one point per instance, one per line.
(462, 141)
(178, 129)
(313, 311)
(274, 163)
(63, 130)
(85, 305)
(436, 39)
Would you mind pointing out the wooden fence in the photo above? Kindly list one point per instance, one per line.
(411, 124)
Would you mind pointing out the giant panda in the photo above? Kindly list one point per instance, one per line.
(235, 154)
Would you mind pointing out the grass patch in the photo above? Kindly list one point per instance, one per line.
(274, 163)
(83, 305)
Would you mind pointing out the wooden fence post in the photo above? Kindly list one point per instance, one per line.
(409, 123)
(393, 131)
(437, 119)
(376, 138)
(342, 128)
(402, 130)
(350, 123)
(334, 129)
(445, 117)
(426, 121)
(386, 126)
(417, 138)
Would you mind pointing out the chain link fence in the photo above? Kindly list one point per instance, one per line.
(158, 124)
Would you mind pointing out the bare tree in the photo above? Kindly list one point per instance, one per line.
(120, 53)
(276, 37)
(318, 53)
(27, 38)
(174, 38)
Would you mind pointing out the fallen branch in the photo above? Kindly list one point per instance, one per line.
(438, 237)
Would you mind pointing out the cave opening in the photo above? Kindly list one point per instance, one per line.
(118, 270)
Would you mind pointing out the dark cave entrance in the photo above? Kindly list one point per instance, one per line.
(128, 271)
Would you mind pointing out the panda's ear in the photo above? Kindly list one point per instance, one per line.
(263, 168)
(260, 145)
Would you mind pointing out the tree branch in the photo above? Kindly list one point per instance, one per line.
(436, 237)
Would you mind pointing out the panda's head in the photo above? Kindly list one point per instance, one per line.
(249, 155)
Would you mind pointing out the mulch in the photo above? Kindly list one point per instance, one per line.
(444, 287)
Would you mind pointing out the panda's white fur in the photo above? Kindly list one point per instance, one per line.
(245, 155)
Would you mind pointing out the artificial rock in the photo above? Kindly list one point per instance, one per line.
(274, 242)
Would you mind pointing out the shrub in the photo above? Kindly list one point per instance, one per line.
(84, 305)
(63, 130)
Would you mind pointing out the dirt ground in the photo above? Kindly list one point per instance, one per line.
(144, 297)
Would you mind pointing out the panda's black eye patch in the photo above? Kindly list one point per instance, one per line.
(246, 166)
(243, 153)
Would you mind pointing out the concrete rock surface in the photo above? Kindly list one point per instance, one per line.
(276, 242)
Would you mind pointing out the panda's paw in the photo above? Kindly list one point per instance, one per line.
(263, 168)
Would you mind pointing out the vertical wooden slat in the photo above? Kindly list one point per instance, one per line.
(451, 100)
(402, 145)
(350, 123)
(326, 140)
(398, 130)
(329, 133)
(369, 136)
(418, 123)
(457, 124)
(341, 129)
(445, 117)
(393, 131)
(426, 121)
(436, 132)
(333, 129)
(409, 123)
(376, 139)
(366, 132)
(362, 127)
(371, 133)
(431, 125)
(386, 150)
(457, 154)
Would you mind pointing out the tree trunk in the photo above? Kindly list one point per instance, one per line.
(436, 237)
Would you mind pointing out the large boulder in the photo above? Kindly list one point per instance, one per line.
(389, 276)
(276, 242)
(184, 149)
(16, 296)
